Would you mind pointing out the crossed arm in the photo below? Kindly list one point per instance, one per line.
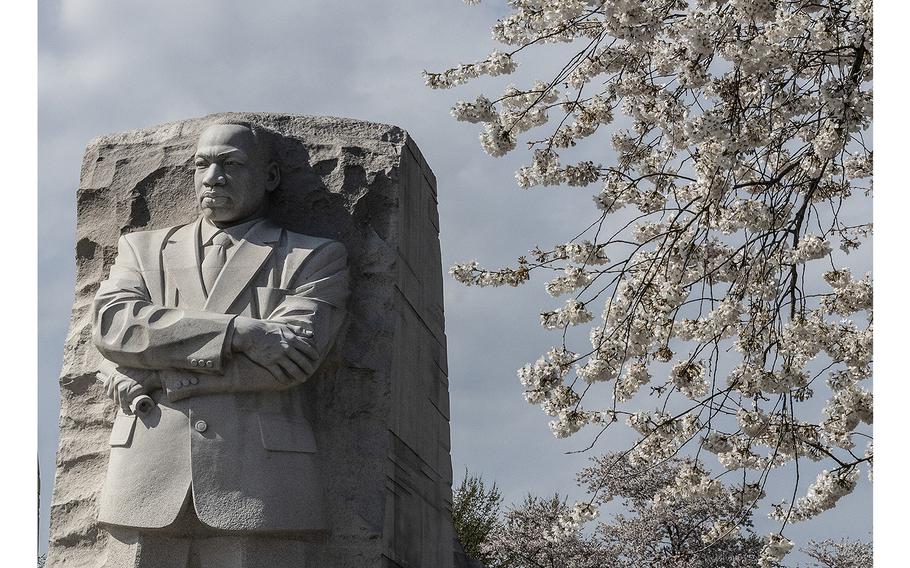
(186, 352)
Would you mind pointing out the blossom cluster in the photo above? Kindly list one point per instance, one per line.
(546, 532)
(573, 313)
(691, 481)
(573, 278)
(823, 494)
(471, 274)
(571, 521)
(497, 63)
(776, 548)
(662, 437)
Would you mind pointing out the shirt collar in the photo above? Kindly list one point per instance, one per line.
(236, 232)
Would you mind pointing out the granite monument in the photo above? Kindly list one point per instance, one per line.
(275, 358)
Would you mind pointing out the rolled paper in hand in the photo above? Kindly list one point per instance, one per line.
(142, 404)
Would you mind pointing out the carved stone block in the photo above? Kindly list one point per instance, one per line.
(381, 408)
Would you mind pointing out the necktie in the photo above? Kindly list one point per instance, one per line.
(215, 257)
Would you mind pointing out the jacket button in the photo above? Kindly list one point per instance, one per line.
(209, 364)
(194, 362)
(200, 426)
(194, 380)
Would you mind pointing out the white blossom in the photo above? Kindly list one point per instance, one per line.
(497, 63)
(716, 443)
(740, 455)
(568, 422)
(746, 495)
(748, 214)
(723, 529)
(568, 523)
(496, 139)
(584, 252)
(481, 110)
(689, 378)
(829, 141)
(811, 247)
(574, 277)
(868, 455)
(753, 423)
(471, 274)
(858, 166)
(776, 548)
(841, 554)
(573, 313)
(691, 481)
(823, 494)
(626, 387)
(845, 410)
(850, 296)
(544, 376)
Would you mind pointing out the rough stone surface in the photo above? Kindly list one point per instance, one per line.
(382, 398)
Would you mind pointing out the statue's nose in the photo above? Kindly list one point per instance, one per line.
(213, 176)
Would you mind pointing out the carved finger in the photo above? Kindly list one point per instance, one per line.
(300, 331)
(279, 374)
(123, 402)
(133, 391)
(305, 347)
(305, 363)
(292, 369)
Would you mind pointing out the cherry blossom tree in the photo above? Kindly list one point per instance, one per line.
(713, 270)
(526, 539)
(840, 554)
(707, 525)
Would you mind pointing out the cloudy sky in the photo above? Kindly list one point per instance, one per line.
(111, 66)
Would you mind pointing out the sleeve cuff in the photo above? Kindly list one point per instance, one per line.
(211, 357)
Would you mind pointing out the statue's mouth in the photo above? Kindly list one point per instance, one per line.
(213, 199)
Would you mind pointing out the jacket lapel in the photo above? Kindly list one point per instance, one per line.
(252, 252)
(181, 264)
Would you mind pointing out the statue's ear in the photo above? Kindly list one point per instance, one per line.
(272, 177)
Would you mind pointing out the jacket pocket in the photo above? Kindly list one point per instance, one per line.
(268, 298)
(122, 431)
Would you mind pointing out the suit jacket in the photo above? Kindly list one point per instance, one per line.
(223, 425)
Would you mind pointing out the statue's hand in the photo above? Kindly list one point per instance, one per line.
(125, 384)
(283, 349)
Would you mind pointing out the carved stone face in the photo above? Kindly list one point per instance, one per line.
(232, 178)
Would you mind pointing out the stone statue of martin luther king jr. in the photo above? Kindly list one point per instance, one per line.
(214, 325)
